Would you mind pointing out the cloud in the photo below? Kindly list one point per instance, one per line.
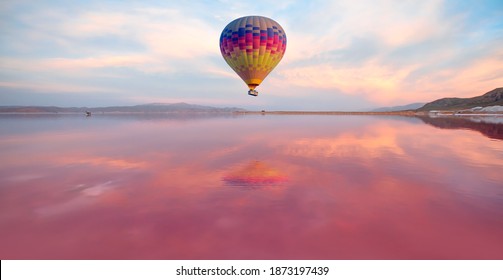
(55, 87)
(387, 52)
(381, 140)
(98, 48)
(384, 52)
(165, 36)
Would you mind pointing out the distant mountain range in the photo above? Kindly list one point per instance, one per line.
(145, 108)
(488, 102)
(492, 98)
(412, 106)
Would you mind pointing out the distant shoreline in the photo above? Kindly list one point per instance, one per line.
(264, 112)
(401, 113)
(395, 113)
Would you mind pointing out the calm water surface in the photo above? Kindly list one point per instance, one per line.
(250, 187)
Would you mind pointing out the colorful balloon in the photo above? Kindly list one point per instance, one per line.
(253, 46)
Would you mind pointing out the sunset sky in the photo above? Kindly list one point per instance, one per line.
(341, 55)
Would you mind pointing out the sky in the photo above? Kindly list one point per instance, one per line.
(340, 55)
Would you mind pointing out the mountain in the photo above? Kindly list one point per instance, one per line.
(412, 106)
(492, 98)
(145, 108)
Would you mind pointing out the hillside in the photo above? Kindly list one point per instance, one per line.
(492, 98)
(145, 108)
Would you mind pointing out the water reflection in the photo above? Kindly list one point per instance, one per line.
(490, 126)
(325, 187)
(253, 174)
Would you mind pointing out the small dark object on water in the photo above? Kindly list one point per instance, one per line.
(88, 114)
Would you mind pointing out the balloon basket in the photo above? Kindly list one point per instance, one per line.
(253, 92)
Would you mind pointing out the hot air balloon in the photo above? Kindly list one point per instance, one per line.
(253, 46)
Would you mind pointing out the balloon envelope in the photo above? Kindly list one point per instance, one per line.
(253, 46)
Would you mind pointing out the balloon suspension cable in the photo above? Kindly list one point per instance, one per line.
(253, 92)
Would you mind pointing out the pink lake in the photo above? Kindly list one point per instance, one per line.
(250, 187)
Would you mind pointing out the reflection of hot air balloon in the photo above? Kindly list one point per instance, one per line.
(255, 173)
(253, 46)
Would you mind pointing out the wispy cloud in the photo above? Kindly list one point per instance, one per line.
(387, 52)
(383, 52)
